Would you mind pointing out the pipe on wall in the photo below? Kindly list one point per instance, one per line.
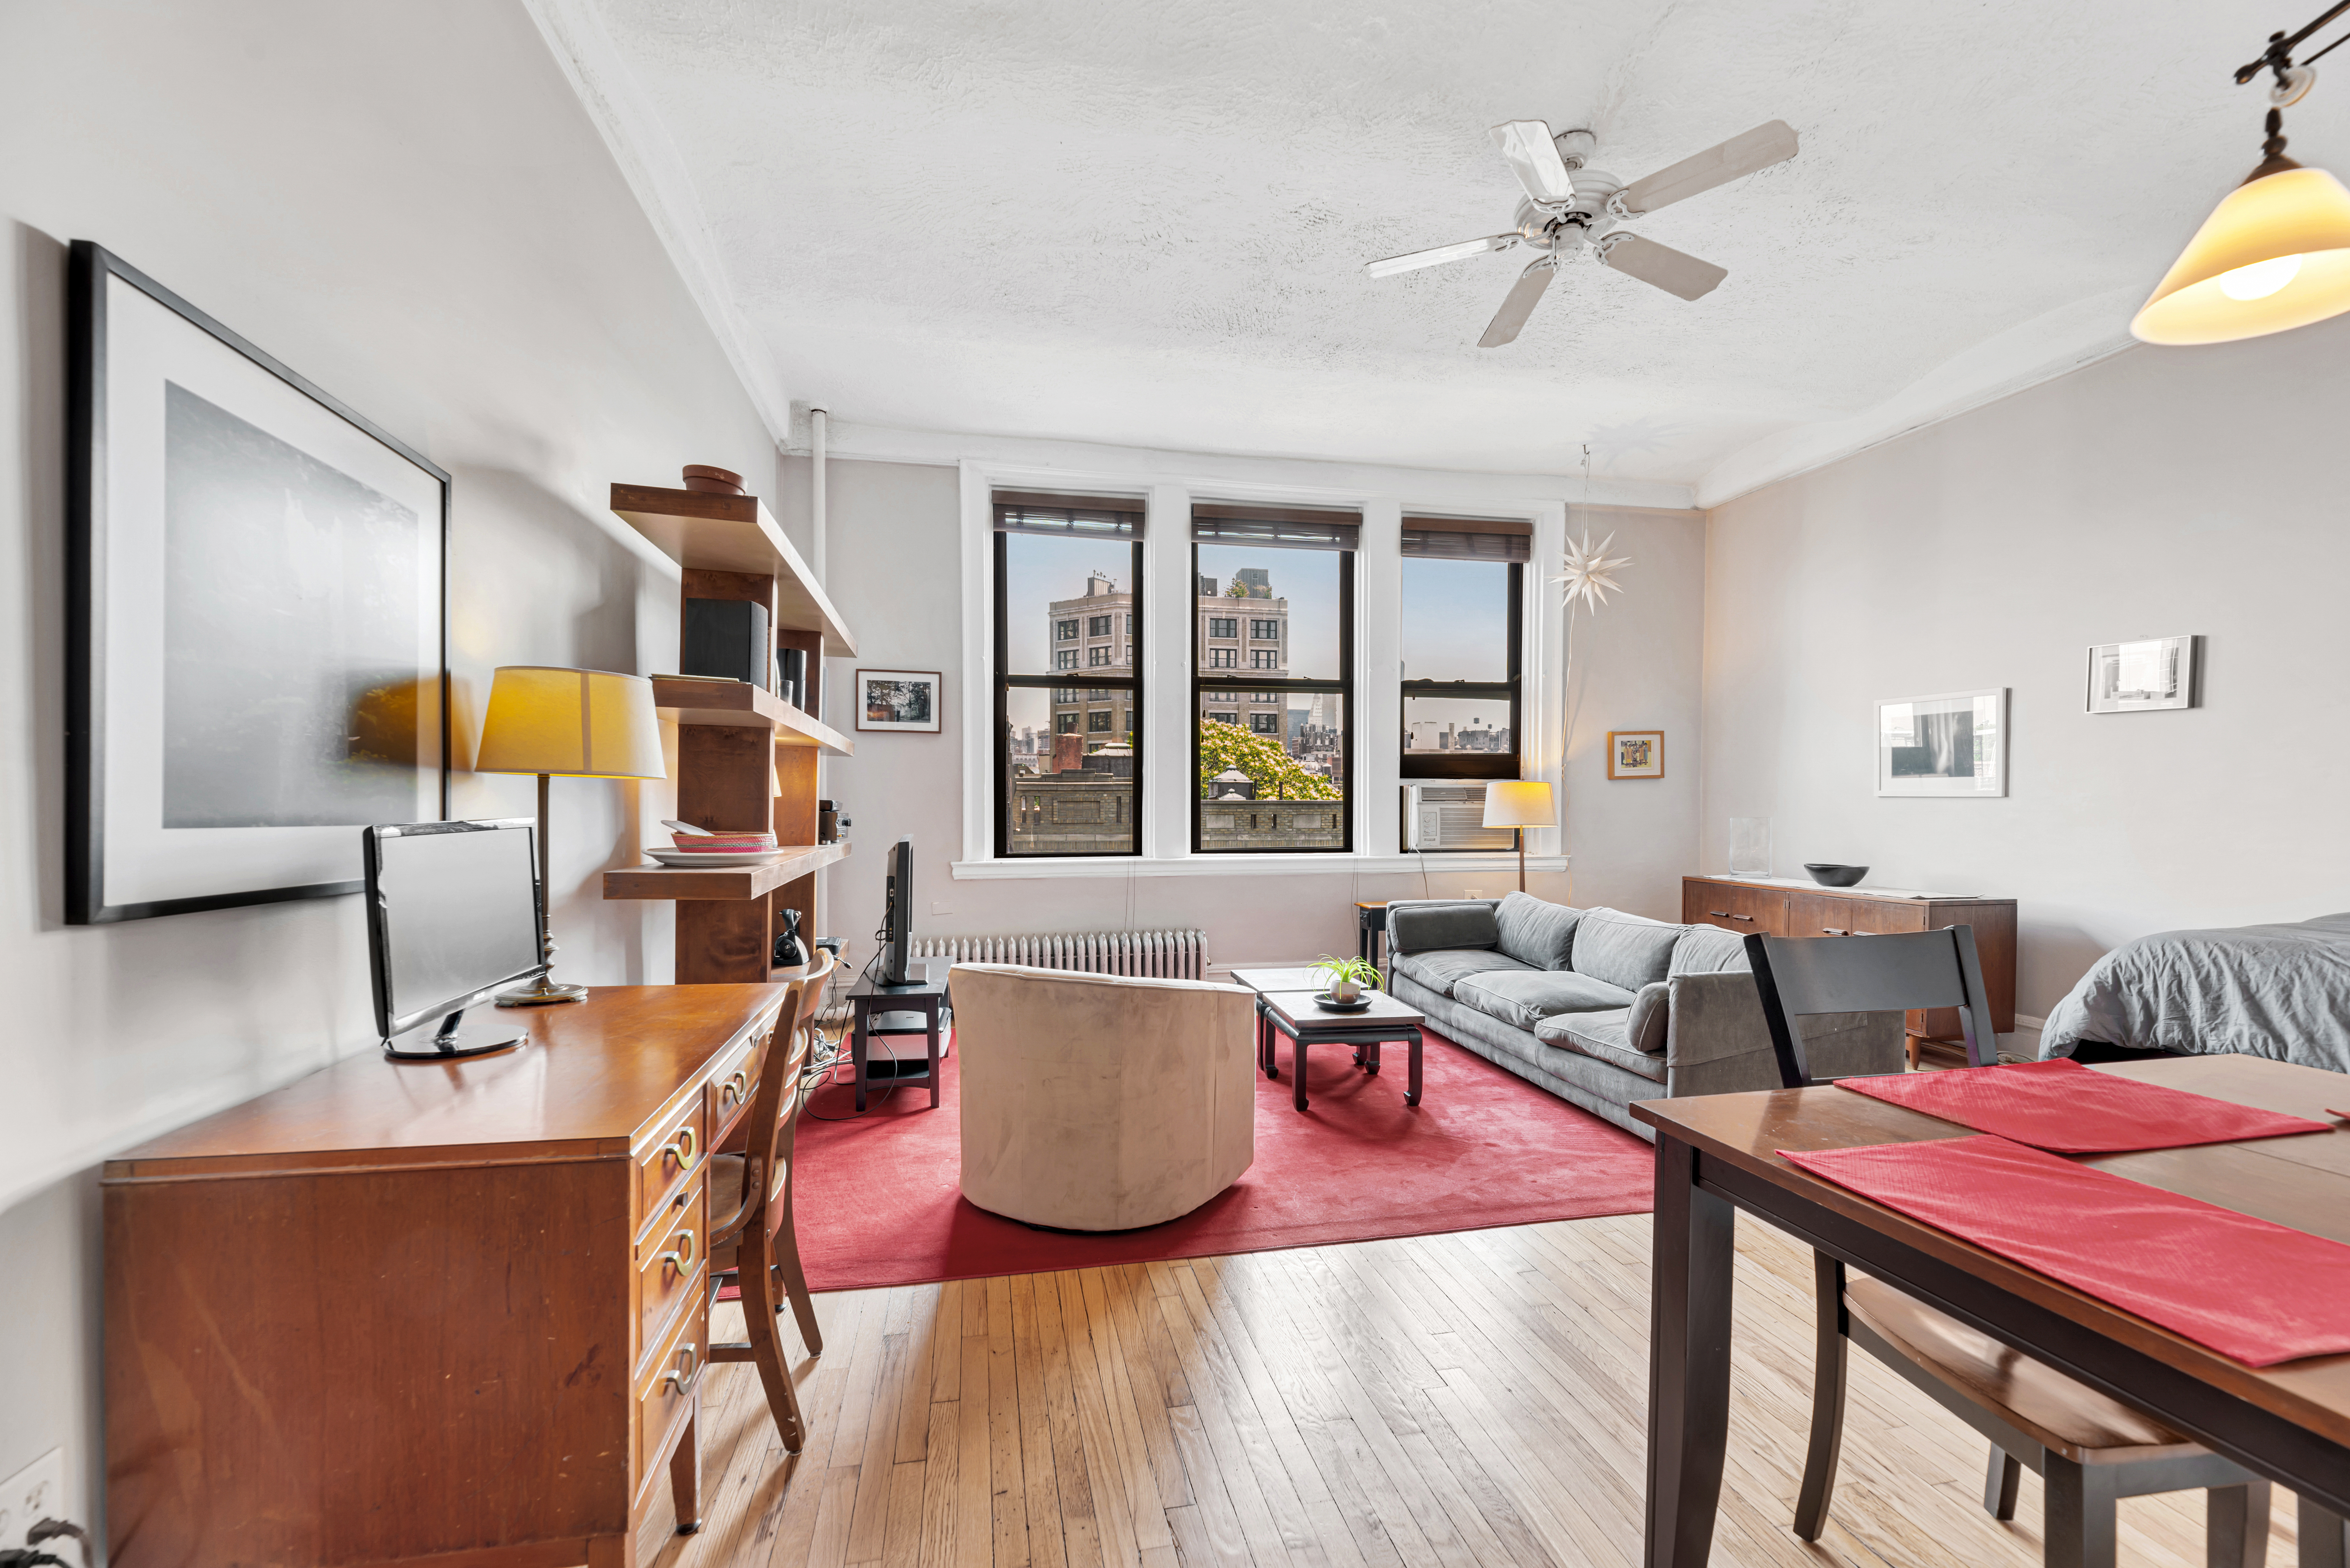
(817, 420)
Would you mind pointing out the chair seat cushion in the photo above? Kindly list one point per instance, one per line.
(1604, 1036)
(2074, 1420)
(1525, 997)
(1438, 969)
(725, 1178)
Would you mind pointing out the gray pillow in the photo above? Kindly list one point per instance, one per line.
(1624, 949)
(1710, 949)
(1423, 924)
(1535, 931)
(1645, 1026)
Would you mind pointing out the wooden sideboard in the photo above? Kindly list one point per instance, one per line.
(417, 1312)
(1785, 908)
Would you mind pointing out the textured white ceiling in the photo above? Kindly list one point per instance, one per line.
(1142, 222)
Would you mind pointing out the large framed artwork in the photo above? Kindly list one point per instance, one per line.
(1953, 743)
(256, 617)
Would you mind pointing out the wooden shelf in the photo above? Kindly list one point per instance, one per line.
(720, 882)
(738, 703)
(734, 533)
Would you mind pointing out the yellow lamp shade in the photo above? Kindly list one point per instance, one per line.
(2274, 254)
(587, 724)
(1515, 803)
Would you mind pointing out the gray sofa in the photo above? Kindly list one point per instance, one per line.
(1603, 1008)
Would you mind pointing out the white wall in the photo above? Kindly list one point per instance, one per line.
(894, 553)
(2165, 491)
(407, 204)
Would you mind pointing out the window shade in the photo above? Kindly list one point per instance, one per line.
(1469, 538)
(1068, 516)
(1284, 527)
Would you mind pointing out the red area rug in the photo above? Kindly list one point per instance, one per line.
(878, 1201)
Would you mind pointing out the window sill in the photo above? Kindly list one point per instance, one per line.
(1013, 870)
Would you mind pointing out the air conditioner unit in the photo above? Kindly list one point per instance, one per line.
(1450, 816)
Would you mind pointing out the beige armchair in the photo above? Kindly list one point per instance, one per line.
(1095, 1102)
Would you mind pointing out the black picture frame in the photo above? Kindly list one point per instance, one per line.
(89, 369)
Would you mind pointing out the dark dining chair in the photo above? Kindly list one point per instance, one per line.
(2089, 1450)
(751, 1234)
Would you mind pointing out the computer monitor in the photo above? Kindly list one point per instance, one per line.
(452, 914)
(897, 920)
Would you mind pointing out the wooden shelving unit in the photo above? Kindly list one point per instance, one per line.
(746, 759)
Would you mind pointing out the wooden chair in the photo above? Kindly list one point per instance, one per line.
(2090, 1450)
(751, 1234)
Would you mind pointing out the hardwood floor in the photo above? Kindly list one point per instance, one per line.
(1440, 1401)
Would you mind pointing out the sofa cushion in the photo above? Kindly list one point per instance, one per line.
(1603, 1036)
(1624, 949)
(1709, 950)
(1535, 931)
(1421, 926)
(1643, 1028)
(1437, 970)
(1525, 997)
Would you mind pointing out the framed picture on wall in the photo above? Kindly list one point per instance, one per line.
(2145, 676)
(1635, 753)
(1953, 743)
(899, 700)
(256, 590)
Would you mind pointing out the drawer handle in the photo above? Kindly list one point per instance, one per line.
(1834, 931)
(1747, 918)
(737, 1085)
(1719, 914)
(681, 1255)
(681, 1147)
(683, 1380)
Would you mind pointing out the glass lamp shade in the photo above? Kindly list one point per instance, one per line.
(587, 724)
(2274, 254)
(1515, 803)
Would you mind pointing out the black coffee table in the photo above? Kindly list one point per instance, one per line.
(1293, 1013)
(1264, 981)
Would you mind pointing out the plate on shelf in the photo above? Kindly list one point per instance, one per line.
(691, 857)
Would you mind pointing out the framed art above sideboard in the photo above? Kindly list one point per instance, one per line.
(256, 587)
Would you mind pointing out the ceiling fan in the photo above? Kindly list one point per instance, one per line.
(1569, 208)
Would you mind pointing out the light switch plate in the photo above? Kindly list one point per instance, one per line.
(33, 1494)
(941, 907)
(1476, 892)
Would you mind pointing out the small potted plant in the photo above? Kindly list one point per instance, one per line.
(1349, 978)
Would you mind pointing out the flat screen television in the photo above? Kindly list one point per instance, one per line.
(452, 912)
(898, 918)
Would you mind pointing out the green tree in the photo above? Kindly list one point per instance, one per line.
(1274, 773)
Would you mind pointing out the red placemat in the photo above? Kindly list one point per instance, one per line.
(2258, 1292)
(2061, 1105)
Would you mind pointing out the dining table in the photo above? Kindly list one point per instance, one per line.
(1717, 1154)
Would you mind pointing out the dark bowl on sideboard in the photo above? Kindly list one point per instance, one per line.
(1832, 876)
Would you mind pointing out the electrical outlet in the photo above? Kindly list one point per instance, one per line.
(1476, 892)
(33, 1494)
(941, 907)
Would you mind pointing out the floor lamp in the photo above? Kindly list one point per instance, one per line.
(581, 723)
(1520, 804)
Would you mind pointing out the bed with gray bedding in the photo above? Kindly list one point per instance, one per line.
(2281, 992)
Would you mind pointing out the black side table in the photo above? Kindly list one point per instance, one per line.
(894, 1010)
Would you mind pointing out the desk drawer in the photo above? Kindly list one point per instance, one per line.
(669, 1261)
(732, 1084)
(1815, 915)
(677, 1151)
(667, 1396)
(1734, 907)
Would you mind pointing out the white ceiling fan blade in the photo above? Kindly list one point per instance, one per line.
(1740, 155)
(1394, 264)
(1524, 296)
(1673, 271)
(1534, 160)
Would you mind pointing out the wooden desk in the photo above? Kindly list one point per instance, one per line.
(2290, 1423)
(427, 1312)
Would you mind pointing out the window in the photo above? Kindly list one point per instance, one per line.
(1129, 626)
(1463, 581)
(1065, 782)
(1297, 569)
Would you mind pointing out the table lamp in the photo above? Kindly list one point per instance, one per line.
(582, 723)
(1520, 804)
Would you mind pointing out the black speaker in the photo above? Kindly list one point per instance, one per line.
(791, 685)
(726, 637)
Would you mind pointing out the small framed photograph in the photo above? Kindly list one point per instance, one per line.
(2144, 676)
(1635, 753)
(1951, 745)
(899, 699)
